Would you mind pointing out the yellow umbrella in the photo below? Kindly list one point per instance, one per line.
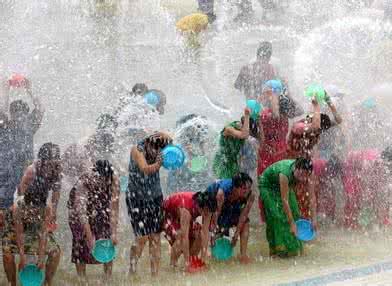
(193, 23)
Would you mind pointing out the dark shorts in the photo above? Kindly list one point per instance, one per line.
(171, 227)
(146, 216)
(229, 217)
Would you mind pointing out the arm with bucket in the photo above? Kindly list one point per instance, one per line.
(142, 163)
(206, 218)
(243, 218)
(284, 193)
(43, 238)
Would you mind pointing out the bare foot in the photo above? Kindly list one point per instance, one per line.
(245, 259)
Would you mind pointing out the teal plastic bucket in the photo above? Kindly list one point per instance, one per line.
(222, 249)
(104, 251)
(31, 275)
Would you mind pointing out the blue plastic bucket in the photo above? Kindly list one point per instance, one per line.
(152, 98)
(104, 251)
(222, 249)
(31, 275)
(275, 85)
(173, 157)
(305, 230)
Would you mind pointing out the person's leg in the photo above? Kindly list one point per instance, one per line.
(155, 252)
(136, 251)
(195, 246)
(175, 252)
(51, 265)
(108, 270)
(9, 267)
(81, 269)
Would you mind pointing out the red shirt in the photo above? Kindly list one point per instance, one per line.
(174, 202)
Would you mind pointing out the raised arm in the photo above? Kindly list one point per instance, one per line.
(142, 163)
(39, 111)
(284, 193)
(316, 121)
(332, 107)
(239, 134)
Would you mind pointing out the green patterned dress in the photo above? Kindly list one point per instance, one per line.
(281, 241)
(226, 161)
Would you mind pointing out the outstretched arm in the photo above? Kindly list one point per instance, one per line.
(284, 193)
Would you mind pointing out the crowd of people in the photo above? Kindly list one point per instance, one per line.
(292, 164)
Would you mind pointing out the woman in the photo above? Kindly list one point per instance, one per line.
(274, 127)
(33, 217)
(93, 213)
(144, 198)
(226, 162)
(185, 235)
(281, 209)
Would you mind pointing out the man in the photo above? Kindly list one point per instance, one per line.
(252, 77)
(185, 235)
(40, 177)
(235, 199)
(24, 125)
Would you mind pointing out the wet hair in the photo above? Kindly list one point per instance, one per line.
(206, 199)
(265, 50)
(49, 151)
(104, 168)
(253, 126)
(19, 106)
(241, 179)
(325, 122)
(303, 164)
(105, 121)
(157, 141)
(139, 89)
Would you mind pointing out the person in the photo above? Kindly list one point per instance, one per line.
(274, 126)
(7, 187)
(93, 206)
(276, 187)
(207, 7)
(234, 201)
(365, 181)
(232, 138)
(34, 217)
(305, 133)
(252, 77)
(144, 198)
(24, 125)
(192, 133)
(185, 235)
